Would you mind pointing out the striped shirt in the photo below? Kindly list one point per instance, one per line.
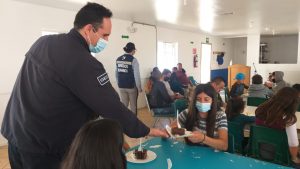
(221, 122)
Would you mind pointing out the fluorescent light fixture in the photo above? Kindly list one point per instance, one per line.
(167, 10)
(78, 1)
(207, 14)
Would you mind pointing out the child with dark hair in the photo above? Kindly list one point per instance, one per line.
(279, 112)
(257, 89)
(98, 144)
(238, 87)
(234, 109)
(207, 122)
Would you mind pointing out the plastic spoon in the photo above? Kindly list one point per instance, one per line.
(140, 147)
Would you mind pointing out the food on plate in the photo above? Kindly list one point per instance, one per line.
(178, 131)
(140, 155)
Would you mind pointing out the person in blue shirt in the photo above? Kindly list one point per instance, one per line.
(234, 109)
(238, 87)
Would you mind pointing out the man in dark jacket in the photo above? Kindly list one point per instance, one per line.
(59, 88)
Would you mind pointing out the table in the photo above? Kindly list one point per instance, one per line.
(195, 157)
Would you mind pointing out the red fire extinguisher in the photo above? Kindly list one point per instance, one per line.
(195, 60)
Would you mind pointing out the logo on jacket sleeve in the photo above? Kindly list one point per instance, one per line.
(103, 79)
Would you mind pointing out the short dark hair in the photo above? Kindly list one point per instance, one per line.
(218, 80)
(91, 13)
(257, 79)
(98, 144)
(165, 72)
(235, 106)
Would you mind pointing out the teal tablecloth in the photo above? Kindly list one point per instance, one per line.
(194, 157)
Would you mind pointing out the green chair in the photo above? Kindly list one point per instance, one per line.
(255, 101)
(157, 113)
(260, 136)
(298, 108)
(180, 105)
(193, 81)
(236, 130)
(230, 143)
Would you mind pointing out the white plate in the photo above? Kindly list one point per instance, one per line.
(186, 133)
(150, 157)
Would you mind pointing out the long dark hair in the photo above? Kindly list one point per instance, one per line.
(280, 107)
(193, 112)
(98, 144)
(235, 106)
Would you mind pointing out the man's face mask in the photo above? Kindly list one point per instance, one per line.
(101, 44)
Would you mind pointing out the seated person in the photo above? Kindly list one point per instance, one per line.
(165, 78)
(238, 87)
(235, 108)
(207, 123)
(257, 89)
(159, 94)
(149, 83)
(98, 144)
(218, 84)
(175, 84)
(279, 113)
(278, 82)
(181, 76)
(297, 87)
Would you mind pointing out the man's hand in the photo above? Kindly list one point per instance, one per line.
(158, 133)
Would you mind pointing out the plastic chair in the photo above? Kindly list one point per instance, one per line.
(180, 105)
(230, 143)
(255, 101)
(157, 113)
(237, 131)
(277, 139)
(193, 81)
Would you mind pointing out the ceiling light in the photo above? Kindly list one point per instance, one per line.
(167, 10)
(206, 15)
(267, 28)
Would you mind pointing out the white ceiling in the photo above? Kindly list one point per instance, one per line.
(217, 17)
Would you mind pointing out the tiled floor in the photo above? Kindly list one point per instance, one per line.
(143, 114)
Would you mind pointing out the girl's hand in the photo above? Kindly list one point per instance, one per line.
(196, 137)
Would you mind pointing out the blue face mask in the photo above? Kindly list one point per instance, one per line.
(203, 107)
(101, 44)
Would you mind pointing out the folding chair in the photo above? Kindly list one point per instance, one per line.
(157, 113)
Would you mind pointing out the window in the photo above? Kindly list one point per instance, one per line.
(205, 62)
(167, 55)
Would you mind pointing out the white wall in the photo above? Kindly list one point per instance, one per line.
(23, 24)
(239, 47)
(291, 71)
(281, 49)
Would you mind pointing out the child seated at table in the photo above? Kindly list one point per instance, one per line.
(207, 122)
(279, 113)
(98, 144)
(257, 89)
(234, 109)
(238, 87)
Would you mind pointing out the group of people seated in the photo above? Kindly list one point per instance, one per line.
(206, 117)
(277, 112)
